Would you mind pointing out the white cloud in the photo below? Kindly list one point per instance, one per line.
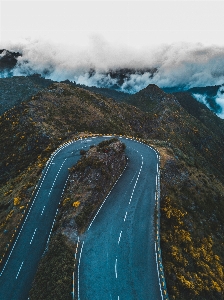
(202, 99)
(180, 64)
(220, 101)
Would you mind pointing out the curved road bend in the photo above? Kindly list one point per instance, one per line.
(132, 261)
(118, 251)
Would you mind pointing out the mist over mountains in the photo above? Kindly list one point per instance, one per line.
(176, 67)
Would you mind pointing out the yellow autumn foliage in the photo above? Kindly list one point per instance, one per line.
(65, 201)
(76, 204)
(16, 201)
(9, 215)
(186, 283)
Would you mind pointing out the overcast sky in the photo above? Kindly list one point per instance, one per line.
(131, 23)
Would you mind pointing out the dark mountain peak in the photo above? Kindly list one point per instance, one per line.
(150, 97)
(8, 59)
(153, 92)
(158, 96)
(153, 88)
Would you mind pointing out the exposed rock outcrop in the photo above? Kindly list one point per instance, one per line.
(8, 59)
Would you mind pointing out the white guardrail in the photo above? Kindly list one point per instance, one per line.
(162, 281)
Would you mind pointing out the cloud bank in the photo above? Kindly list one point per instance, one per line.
(103, 64)
(219, 99)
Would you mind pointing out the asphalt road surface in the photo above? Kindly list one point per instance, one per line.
(117, 258)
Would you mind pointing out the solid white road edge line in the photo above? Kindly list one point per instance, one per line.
(158, 273)
(78, 269)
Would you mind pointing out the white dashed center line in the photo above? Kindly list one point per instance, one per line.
(115, 268)
(119, 237)
(19, 269)
(42, 210)
(125, 216)
(56, 176)
(33, 236)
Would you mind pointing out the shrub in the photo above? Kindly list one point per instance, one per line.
(107, 143)
(76, 204)
(82, 152)
(16, 201)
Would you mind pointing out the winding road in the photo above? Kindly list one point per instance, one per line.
(117, 253)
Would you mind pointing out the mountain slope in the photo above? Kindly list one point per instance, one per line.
(192, 163)
(19, 88)
(190, 126)
(201, 112)
(208, 94)
(106, 92)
